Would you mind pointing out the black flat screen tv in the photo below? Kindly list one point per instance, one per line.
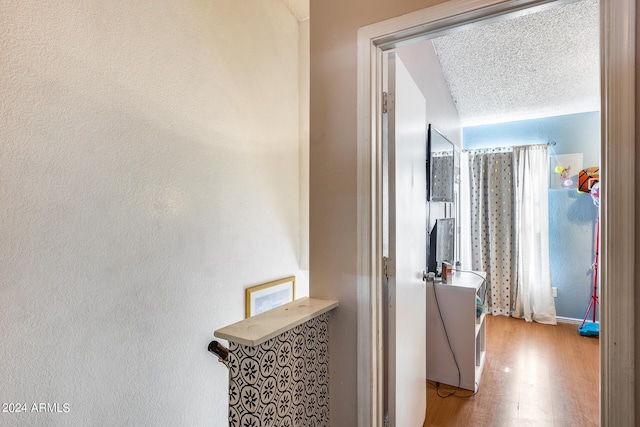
(441, 244)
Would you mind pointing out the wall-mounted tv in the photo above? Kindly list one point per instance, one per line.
(440, 167)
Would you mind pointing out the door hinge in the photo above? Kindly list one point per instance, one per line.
(389, 267)
(384, 102)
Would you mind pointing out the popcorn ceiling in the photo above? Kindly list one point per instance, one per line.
(536, 65)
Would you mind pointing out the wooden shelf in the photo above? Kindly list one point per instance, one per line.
(255, 330)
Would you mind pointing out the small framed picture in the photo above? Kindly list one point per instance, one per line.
(269, 295)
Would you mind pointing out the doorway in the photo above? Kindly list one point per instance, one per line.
(618, 204)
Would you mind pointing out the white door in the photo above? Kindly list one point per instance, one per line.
(406, 292)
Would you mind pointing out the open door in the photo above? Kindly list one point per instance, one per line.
(404, 126)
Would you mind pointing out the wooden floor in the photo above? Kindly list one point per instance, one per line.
(534, 375)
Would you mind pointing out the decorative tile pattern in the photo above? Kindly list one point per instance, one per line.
(284, 382)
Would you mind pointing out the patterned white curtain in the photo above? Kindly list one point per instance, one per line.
(509, 230)
(492, 225)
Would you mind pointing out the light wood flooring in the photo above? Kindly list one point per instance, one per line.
(534, 375)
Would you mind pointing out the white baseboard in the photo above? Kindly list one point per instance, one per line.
(569, 320)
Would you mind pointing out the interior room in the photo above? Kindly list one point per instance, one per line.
(555, 102)
(159, 160)
(492, 91)
(348, 41)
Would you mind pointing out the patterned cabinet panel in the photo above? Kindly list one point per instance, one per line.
(284, 382)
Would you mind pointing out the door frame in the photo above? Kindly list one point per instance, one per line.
(617, 263)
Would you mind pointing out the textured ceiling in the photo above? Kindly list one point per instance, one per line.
(536, 65)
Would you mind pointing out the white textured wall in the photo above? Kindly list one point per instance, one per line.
(148, 173)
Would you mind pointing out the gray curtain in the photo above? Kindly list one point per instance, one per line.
(492, 226)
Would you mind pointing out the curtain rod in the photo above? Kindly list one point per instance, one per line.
(508, 147)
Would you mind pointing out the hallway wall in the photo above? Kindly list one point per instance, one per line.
(148, 174)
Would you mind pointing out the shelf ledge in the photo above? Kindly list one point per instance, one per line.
(255, 330)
